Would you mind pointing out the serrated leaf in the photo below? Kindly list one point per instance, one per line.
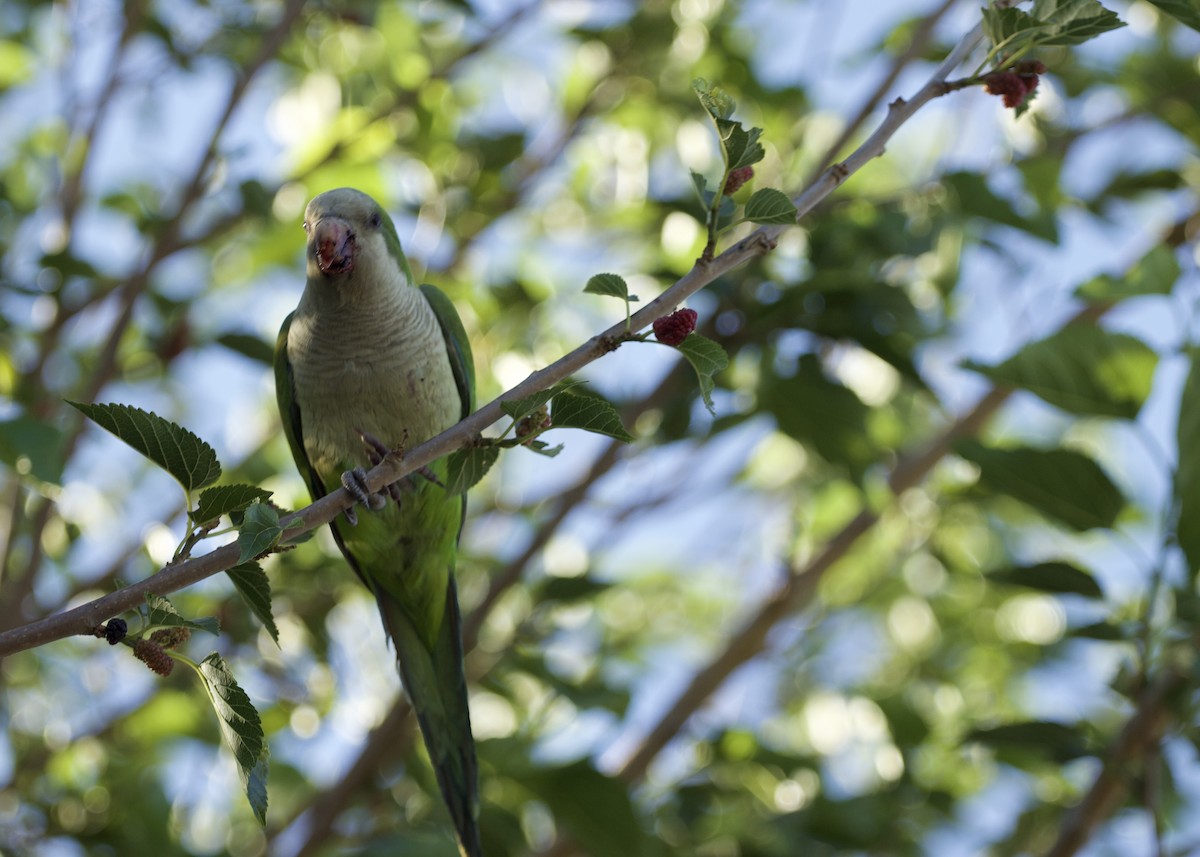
(1082, 369)
(241, 729)
(172, 447)
(226, 500)
(1061, 578)
(590, 413)
(612, 285)
(1048, 23)
(1186, 12)
(1154, 274)
(164, 615)
(1187, 471)
(1072, 22)
(1062, 484)
(465, 467)
(707, 358)
(713, 99)
(1000, 24)
(259, 531)
(251, 583)
(518, 408)
(742, 148)
(768, 205)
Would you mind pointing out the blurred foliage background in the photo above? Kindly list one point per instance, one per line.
(876, 605)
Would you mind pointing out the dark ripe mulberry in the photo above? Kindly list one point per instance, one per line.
(171, 638)
(115, 630)
(1016, 88)
(674, 328)
(737, 178)
(154, 656)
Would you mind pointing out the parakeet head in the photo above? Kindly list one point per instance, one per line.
(350, 238)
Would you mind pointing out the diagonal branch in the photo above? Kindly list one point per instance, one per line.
(81, 620)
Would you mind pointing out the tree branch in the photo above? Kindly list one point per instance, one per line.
(83, 619)
(1141, 733)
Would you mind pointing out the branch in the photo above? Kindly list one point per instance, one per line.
(81, 620)
(1141, 733)
(392, 734)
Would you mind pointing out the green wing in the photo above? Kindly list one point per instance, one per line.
(457, 345)
(289, 412)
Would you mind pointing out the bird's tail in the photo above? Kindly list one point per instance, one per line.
(437, 688)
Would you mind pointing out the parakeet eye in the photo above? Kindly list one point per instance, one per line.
(375, 221)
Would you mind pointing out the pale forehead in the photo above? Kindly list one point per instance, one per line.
(345, 202)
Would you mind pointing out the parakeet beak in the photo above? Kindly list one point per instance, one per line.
(335, 246)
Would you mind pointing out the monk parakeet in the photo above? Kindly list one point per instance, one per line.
(366, 361)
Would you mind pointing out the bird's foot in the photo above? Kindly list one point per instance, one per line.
(355, 481)
(377, 451)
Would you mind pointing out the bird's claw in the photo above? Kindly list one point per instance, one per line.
(355, 481)
(376, 453)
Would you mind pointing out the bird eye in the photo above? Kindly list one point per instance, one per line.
(375, 221)
(306, 226)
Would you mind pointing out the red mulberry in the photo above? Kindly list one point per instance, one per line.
(674, 328)
(737, 178)
(154, 656)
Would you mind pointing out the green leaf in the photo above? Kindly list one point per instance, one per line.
(259, 532)
(1002, 24)
(1186, 12)
(226, 500)
(1072, 22)
(769, 205)
(164, 615)
(518, 408)
(1187, 471)
(1061, 578)
(465, 467)
(241, 728)
(822, 414)
(31, 446)
(565, 589)
(251, 583)
(1060, 741)
(1048, 23)
(742, 148)
(1061, 484)
(1154, 274)
(1100, 631)
(173, 448)
(590, 413)
(713, 99)
(1082, 369)
(973, 197)
(707, 358)
(249, 345)
(612, 285)
(591, 807)
(543, 448)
